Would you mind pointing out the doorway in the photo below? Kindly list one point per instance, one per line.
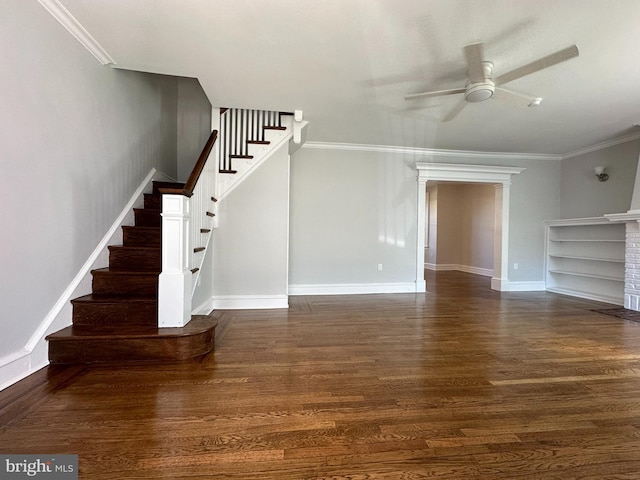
(497, 175)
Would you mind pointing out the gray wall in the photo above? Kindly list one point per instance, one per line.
(76, 140)
(584, 196)
(250, 246)
(194, 124)
(351, 210)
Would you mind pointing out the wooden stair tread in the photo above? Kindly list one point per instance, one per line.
(141, 228)
(116, 299)
(158, 185)
(199, 324)
(132, 344)
(108, 271)
(147, 210)
(141, 248)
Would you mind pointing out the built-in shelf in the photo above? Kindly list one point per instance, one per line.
(591, 259)
(585, 258)
(585, 240)
(588, 275)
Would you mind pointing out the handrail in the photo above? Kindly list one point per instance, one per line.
(187, 190)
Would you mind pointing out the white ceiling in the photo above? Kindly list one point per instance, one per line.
(349, 63)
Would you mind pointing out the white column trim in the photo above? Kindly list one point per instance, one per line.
(174, 283)
(421, 284)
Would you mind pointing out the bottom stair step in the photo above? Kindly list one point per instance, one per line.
(132, 344)
(114, 310)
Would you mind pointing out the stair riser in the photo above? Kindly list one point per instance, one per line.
(113, 314)
(147, 218)
(125, 259)
(129, 350)
(111, 284)
(141, 237)
(153, 200)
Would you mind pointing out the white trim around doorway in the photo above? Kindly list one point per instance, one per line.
(496, 175)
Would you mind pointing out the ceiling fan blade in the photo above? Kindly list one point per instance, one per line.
(516, 97)
(456, 110)
(436, 93)
(540, 64)
(475, 57)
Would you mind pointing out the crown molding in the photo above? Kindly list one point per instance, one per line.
(602, 145)
(430, 152)
(68, 21)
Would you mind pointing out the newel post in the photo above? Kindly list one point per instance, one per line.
(174, 283)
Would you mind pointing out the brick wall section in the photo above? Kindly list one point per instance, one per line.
(632, 266)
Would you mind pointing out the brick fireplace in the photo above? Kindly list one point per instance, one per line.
(631, 257)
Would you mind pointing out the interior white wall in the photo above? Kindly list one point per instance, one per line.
(193, 124)
(76, 140)
(584, 196)
(251, 243)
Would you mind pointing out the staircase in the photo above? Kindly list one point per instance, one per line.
(153, 275)
(118, 322)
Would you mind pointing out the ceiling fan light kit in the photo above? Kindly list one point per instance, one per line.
(482, 85)
(479, 92)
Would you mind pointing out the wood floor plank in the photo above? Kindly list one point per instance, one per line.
(459, 383)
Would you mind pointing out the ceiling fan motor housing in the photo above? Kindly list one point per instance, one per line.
(479, 92)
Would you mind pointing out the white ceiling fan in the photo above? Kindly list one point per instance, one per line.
(482, 85)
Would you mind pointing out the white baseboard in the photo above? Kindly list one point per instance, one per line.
(34, 355)
(16, 366)
(500, 284)
(204, 308)
(249, 302)
(485, 272)
(527, 286)
(439, 267)
(588, 296)
(354, 288)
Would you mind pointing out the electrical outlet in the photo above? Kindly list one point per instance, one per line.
(379, 267)
(515, 266)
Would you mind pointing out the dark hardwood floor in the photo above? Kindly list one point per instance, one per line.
(460, 383)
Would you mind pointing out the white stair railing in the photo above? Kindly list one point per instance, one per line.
(247, 138)
(240, 128)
